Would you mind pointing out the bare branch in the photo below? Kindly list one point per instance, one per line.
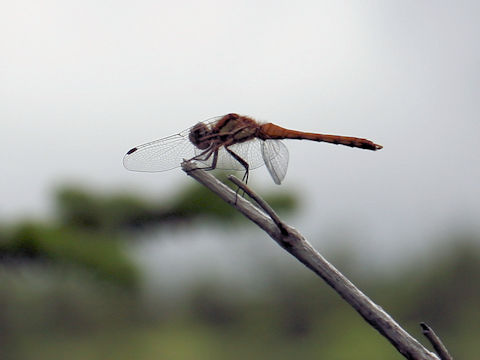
(436, 342)
(293, 242)
(263, 204)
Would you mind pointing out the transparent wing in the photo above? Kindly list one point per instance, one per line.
(250, 151)
(164, 154)
(275, 155)
(160, 155)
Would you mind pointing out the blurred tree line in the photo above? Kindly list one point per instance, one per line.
(69, 290)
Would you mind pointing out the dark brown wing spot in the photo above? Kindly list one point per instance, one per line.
(131, 151)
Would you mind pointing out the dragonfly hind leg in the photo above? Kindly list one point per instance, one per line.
(242, 162)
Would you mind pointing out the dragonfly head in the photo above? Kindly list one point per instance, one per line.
(198, 136)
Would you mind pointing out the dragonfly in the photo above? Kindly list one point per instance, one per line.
(230, 142)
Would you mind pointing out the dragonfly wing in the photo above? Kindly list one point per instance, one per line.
(164, 154)
(275, 155)
(250, 151)
(160, 155)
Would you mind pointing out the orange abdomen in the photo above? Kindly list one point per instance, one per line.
(272, 131)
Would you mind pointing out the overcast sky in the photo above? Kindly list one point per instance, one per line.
(82, 82)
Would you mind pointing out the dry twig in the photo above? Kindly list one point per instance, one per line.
(293, 242)
(436, 342)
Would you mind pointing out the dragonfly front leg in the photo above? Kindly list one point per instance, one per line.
(205, 155)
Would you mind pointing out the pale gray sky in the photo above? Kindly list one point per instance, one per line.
(82, 82)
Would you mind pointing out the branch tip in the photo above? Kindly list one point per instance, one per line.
(437, 344)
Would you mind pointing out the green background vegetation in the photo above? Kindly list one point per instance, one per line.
(69, 290)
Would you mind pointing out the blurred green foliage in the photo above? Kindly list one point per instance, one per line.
(295, 315)
(90, 228)
(118, 212)
(63, 246)
(68, 290)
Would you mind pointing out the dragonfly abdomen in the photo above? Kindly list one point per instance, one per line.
(272, 131)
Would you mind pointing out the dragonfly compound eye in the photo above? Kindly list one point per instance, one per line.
(198, 136)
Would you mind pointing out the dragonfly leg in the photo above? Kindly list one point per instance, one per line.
(204, 156)
(214, 160)
(242, 162)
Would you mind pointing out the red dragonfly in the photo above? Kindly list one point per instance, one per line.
(229, 142)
